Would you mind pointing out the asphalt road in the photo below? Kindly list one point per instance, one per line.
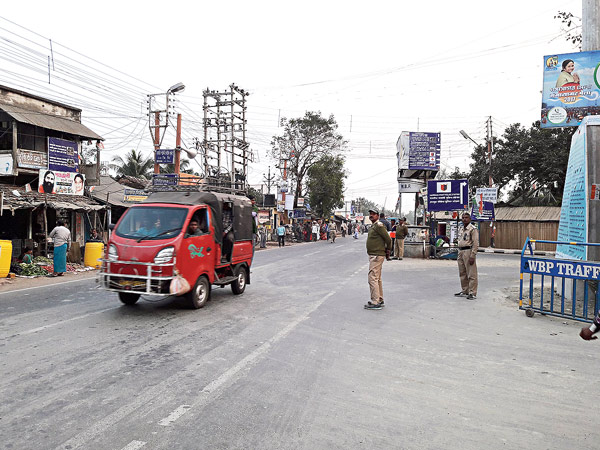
(297, 363)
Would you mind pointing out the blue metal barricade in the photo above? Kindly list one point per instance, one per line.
(561, 281)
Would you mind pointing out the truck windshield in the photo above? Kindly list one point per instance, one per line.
(151, 222)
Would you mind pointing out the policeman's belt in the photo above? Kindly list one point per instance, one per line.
(464, 248)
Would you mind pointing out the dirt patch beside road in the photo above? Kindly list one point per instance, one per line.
(7, 285)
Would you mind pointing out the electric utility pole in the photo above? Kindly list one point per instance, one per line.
(590, 41)
(490, 146)
(226, 151)
(269, 180)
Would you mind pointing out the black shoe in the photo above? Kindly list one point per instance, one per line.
(381, 303)
(370, 305)
(460, 294)
(471, 297)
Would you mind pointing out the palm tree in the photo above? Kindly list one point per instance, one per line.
(134, 164)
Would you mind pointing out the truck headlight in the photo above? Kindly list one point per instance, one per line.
(165, 255)
(113, 254)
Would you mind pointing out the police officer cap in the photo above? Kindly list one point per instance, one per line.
(374, 211)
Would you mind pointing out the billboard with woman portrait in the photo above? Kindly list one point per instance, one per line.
(571, 88)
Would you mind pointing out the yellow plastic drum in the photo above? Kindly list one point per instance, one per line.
(93, 252)
(5, 257)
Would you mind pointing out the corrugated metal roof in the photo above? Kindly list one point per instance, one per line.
(111, 188)
(49, 121)
(30, 200)
(529, 214)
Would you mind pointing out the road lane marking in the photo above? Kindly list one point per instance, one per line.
(211, 391)
(253, 357)
(134, 445)
(166, 422)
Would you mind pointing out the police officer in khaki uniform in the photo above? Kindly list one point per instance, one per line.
(468, 243)
(379, 245)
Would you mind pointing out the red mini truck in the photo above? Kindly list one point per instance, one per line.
(155, 243)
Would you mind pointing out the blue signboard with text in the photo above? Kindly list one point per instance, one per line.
(63, 155)
(447, 195)
(164, 156)
(483, 211)
(424, 151)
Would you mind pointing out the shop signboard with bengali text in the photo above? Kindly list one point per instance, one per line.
(29, 159)
(134, 195)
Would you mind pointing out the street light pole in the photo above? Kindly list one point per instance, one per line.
(178, 87)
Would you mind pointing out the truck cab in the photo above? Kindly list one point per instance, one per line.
(203, 237)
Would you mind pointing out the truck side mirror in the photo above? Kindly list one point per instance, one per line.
(111, 226)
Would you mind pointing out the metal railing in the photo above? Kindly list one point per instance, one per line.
(148, 283)
(566, 288)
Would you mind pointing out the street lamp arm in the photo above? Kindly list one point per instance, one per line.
(466, 136)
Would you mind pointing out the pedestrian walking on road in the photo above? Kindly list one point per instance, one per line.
(468, 243)
(379, 245)
(332, 231)
(62, 242)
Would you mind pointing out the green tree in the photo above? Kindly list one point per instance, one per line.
(134, 165)
(530, 164)
(256, 195)
(184, 167)
(362, 205)
(326, 185)
(305, 141)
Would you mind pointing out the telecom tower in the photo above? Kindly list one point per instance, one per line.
(226, 151)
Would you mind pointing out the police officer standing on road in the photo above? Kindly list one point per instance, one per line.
(468, 243)
(379, 245)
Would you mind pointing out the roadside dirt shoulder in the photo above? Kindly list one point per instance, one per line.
(7, 285)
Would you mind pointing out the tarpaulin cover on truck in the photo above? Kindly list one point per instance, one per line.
(242, 209)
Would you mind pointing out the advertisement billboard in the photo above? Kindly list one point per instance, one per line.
(571, 88)
(62, 155)
(57, 182)
(447, 195)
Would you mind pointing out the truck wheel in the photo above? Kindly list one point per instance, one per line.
(129, 299)
(239, 285)
(200, 293)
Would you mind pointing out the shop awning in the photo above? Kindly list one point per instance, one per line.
(15, 198)
(49, 121)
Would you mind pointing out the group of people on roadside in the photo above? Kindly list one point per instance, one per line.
(379, 248)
